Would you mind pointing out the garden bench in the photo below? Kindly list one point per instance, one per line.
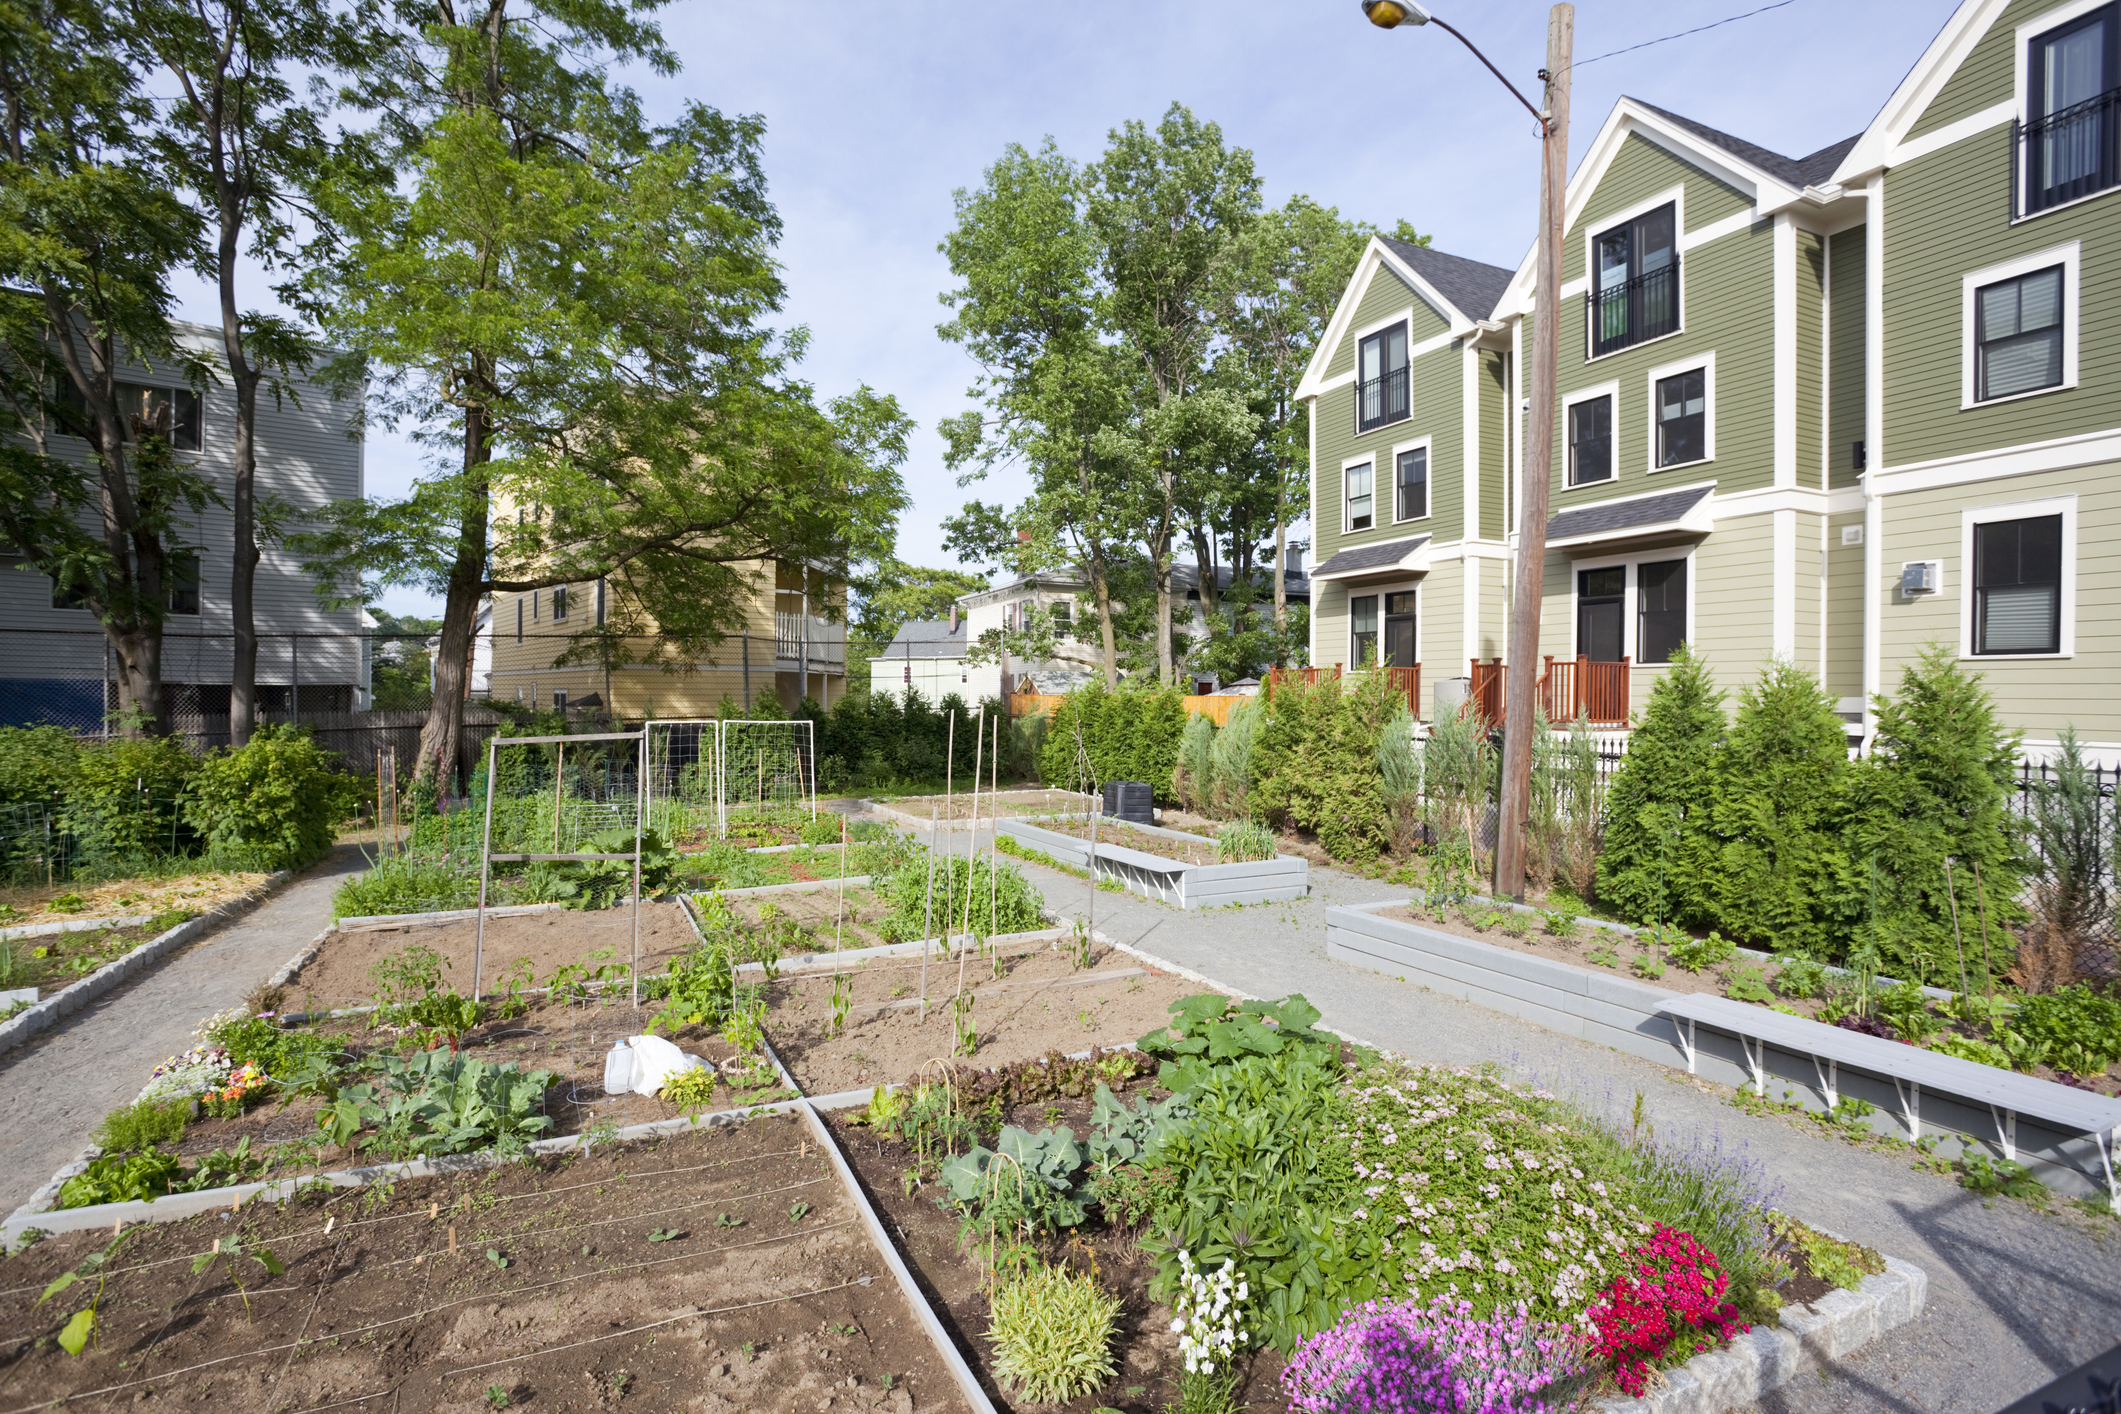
(2006, 1094)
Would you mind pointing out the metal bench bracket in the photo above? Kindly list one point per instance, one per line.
(1756, 1061)
(1684, 1026)
(1829, 1080)
(1910, 1106)
(2006, 1132)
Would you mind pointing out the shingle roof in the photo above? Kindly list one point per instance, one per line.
(1370, 557)
(1614, 517)
(928, 638)
(1797, 171)
(1476, 288)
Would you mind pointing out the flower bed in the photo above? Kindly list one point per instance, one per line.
(1171, 879)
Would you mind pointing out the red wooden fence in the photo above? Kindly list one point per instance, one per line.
(1597, 692)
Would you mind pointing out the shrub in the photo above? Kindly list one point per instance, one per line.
(37, 764)
(2075, 1028)
(1399, 768)
(1243, 840)
(1668, 1304)
(1128, 734)
(1409, 1358)
(1458, 774)
(404, 883)
(126, 802)
(1658, 852)
(1052, 1334)
(270, 804)
(1193, 778)
(1780, 875)
(825, 829)
(1230, 762)
(1001, 899)
(2071, 901)
(1316, 764)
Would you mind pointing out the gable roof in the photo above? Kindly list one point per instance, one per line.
(1799, 172)
(1876, 148)
(1473, 286)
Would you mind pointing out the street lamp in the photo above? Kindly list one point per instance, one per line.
(1539, 436)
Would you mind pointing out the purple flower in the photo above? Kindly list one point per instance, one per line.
(1410, 1358)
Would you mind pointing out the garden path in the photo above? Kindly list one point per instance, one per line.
(2016, 1297)
(55, 1090)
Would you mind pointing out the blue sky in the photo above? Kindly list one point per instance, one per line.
(875, 113)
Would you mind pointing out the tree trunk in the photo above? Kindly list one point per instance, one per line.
(1166, 670)
(243, 573)
(443, 733)
(1102, 586)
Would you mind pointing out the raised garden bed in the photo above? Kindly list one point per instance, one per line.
(1170, 877)
(194, 893)
(956, 810)
(1901, 1089)
(763, 1292)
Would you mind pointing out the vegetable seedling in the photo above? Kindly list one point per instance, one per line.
(75, 1335)
(797, 1211)
(232, 1248)
(666, 1234)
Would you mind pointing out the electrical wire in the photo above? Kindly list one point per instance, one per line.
(1730, 19)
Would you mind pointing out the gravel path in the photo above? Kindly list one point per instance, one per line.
(56, 1090)
(2016, 1297)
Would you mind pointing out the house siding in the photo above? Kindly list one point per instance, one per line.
(1847, 320)
(1809, 590)
(1946, 215)
(1811, 354)
(1442, 630)
(1436, 398)
(2038, 696)
(1639, 171)
(1734, 583)
(1985, 77)
(1386, 295)
(1841, 661)
(1494, 431)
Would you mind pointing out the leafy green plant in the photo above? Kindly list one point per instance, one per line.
(405, 883)
(1516, 925)
(406, 975)
(1243, 841)
(1697, 955)
(80, 1328)
(599, 883)
(1448, 875)
(1972, 1048)
(1799, 977)
(1992, 1178)
(1907, 1008)
(1659, 848)
(965, 1039)
(842, 997)
(143, 1124)
(143, 1177)
(1052, 1333)
(1603, 954)
(1003, 900)
(825, 829)
(692, 1090)
(1647, 965)
(434, 1102)
(1026, 1184)
(235, 1252)
(1563, 923)
(1208, 1030)
(1123, 1134)
(271, 803)
(1748, 984)
(697, 990)
(2072, 1028)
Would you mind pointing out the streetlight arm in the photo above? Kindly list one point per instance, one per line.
(1493, 70)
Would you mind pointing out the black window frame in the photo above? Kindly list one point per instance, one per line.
(1392, 400)
(74, 597)
(1347, 500)
(1669, 621)
(2059, 329)
(1400, 484)
(1644, 304)
(2094, 121)
(560, 596)
(1358, 640)
(1612, 470)
(1700, 420)
(1988, 576)
(180, 583)
(1602, 597)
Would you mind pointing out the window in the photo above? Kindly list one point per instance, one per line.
(1591, 440)
(180, 584)
(600, 602)
(1661, 592)
(559, 603)
(519, 618)
(1381, 378)
(2072, 98)
(1357, 479)
(2018, 335)
(1682, 418)
(1412, 484)
(142, 406)
(2018, 585)
(559, 701)
(69, 596)
(1601, 608)
(1362, 629)
(533, 606)
(1634, 292)
(1399, 629)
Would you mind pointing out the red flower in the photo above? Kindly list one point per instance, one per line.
(1673, 1290)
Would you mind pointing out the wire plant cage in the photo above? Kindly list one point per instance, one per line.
(745, 780)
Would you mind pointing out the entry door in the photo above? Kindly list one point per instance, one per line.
(1601, 604)
(1399, 629)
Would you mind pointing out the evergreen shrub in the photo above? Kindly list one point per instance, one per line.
(1659, 851)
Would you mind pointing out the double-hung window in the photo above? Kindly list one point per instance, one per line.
(1682, 418)
(1660, 593)
(1634, 292)
(559, 603)
(1601, 606)
(180, 583)
(2072, 110)
(2018, 335)
(1361, 511)
(1411, 480)
(2018, 585)
(1591, 440)
(1362, 629)
(1381, 379)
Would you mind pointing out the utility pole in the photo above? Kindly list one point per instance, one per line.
(1517, 730)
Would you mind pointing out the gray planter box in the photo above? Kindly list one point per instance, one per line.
(1916, 1093)
(1179, 884)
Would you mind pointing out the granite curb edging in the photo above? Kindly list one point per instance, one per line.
(67, 1000)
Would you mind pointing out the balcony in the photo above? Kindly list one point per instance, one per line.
(1646, 307)
(2066, 156)
(1568, 688)
(797, 637)
(1405, 681)
(1381, 400)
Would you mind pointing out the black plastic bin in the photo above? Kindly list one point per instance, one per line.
(1129, 801)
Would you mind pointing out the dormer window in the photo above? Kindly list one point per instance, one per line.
(2072, 110)
(1381, 379)
(1634, 292)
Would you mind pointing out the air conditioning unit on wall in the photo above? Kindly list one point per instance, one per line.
(1921, 577)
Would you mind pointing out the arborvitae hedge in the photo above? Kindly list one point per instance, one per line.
(1315, 764)
(1131, 734)
(1659, 850)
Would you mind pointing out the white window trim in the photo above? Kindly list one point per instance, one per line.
(1369, 591)
(1584, 395)
(1356, 336)
(1631, 599)
(2066, 507)
(1675, 197)
(1346, 520)
(2021, 54)
(2068, 256)
(1706, 362)
(1421, 612)
(1413, 444)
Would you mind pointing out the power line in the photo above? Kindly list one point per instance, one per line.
(1732, 19)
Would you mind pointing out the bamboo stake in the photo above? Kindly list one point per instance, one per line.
(979, 742)
(559, 773)
(928, 914)
(1988, 974)
(994, 850)
(839, 924)
(935, 841)
(1951, 895)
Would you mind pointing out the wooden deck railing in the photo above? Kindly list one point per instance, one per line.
(1578, 687)
(1215, 709)
(1490, 681)
(1308, 677)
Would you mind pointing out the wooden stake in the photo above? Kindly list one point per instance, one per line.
(452, 1237)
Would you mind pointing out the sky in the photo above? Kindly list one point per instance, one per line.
(877, 113)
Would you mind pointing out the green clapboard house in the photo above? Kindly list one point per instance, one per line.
(1832, 408)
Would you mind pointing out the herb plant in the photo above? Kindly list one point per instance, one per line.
(1052, 1333)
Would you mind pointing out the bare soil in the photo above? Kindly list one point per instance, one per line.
(1127, 837)
(53, 961)
(539, 1281)
(818, 912)
(126, 897)
(1145, 1352)
(338, 975)
(959, 804)
(1041, 1003)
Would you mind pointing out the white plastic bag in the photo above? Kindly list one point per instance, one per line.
(618, 1069)
(655, 1060)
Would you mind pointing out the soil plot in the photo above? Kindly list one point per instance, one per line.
(1042, 1002)
(818, 920)
(339, 974)
(1117, 832)
(720, 1270)
(959, 805)
(1145, 1352)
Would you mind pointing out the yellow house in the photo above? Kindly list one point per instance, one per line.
(788, 647)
